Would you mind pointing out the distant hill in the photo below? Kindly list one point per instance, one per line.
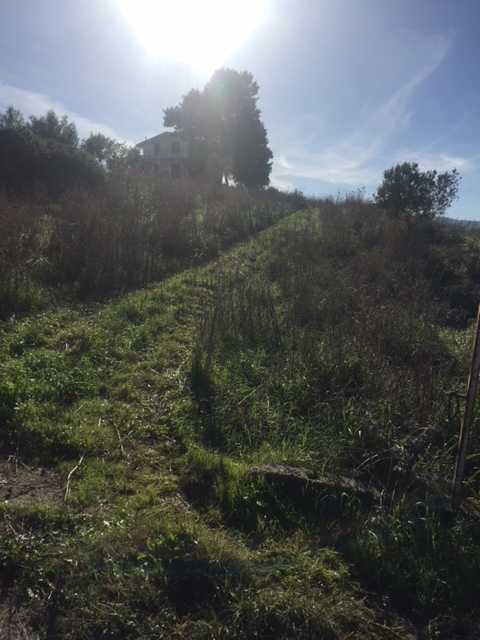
(468, 224)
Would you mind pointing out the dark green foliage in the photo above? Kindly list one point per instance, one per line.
(44, 157)
(30, 164)
(20, 152)
(223, 122)
(12, 119)
(243, 138)
(252, 157)
(123, 160)
(99, 146)
(8, 398)
(115, 156)
(62, 169)
(54, 129)
(408, 192)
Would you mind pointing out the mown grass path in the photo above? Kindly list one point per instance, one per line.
(106, 383)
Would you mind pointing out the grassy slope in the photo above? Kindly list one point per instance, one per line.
(126, 388)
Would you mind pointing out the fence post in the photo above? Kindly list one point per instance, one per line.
(472, 388)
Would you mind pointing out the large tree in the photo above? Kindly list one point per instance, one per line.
(406, 192)
(195, 120)
(224, 121)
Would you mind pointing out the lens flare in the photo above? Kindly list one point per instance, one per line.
(199, 33)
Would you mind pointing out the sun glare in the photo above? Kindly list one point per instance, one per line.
(200, 33)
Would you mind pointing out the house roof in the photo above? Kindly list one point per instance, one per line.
(157, 138)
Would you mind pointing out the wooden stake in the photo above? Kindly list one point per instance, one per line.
(472, 388)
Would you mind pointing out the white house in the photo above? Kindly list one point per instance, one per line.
(167, 152)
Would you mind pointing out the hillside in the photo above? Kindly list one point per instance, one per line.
(256, 448)
(471, 225)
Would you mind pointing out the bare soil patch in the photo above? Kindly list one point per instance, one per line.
(26, 485)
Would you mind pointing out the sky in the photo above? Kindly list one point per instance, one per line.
(348, 88)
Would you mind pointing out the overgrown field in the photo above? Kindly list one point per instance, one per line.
(257, 448)
(87, 245)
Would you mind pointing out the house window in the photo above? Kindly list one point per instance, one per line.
(157, 148)
(175, 148)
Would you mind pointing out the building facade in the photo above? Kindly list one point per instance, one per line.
(167, 153)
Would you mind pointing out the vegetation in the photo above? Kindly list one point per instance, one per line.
(87, 245)
(250, 448)
(408, 192)
(229, 412)
(85, 220)
(222, 123)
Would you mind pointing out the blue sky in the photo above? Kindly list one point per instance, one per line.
(348, 87)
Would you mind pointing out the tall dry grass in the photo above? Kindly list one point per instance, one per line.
(134, 231)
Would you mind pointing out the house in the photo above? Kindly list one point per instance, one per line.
(167, 153)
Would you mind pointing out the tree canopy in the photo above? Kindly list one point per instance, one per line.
(99, 146)
(12, 119)
(410, 193)
(223, 121)
(55, 128)
(43, 154)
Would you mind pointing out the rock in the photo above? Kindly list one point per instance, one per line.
(303, 480)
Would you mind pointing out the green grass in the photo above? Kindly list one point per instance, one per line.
(155, 406)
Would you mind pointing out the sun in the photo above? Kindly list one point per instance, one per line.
(199, 33)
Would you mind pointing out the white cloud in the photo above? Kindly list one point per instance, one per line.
(283, 185)
(283, 162)
(342, 164)
(360, 158)
(36, 104)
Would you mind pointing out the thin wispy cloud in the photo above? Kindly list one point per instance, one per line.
(360, 158)
(396, 113)
(31, 103)
(439, 161)
(342, 164)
